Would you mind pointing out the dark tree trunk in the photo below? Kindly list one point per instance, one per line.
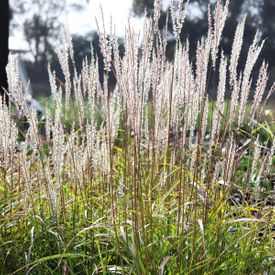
(4, 41)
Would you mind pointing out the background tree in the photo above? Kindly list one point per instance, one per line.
(196, 22)
(260, 15)
(140, 5)
(40, 22)
(267, 26)
(4, 48)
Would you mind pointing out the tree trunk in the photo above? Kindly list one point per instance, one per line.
(4, 48)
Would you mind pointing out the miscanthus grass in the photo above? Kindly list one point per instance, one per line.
(154, 177)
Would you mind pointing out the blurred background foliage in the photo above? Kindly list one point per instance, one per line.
(41, 28)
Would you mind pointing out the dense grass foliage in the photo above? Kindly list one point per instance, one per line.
(151, 178)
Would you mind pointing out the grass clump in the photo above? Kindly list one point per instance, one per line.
(153, 178)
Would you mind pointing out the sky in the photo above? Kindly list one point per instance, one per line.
(120, 10)
(81, 22)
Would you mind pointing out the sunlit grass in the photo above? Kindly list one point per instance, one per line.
(153, 178)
